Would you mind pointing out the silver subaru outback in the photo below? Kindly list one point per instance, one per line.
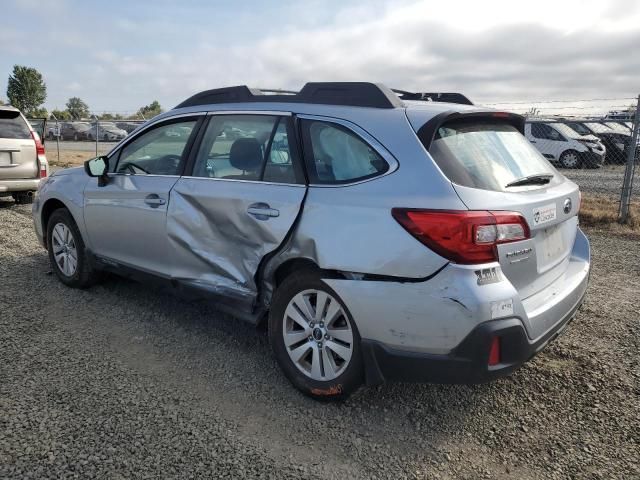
(382, 235)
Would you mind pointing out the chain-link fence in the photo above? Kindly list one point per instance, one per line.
(97, 136)
(593, 142)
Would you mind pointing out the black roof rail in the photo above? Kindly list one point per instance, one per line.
(448, 97)
(353, 94)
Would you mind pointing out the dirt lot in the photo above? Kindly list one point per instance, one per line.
(124, 381)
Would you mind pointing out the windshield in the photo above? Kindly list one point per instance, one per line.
(486, 156)
(598, 127)
(566, 130)
(580, 128)
(617, 127)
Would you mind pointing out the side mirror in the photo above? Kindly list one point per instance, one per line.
(98, 167)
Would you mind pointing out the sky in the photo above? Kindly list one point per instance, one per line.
(122, 54)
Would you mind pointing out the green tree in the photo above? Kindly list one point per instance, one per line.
(26, 90)
(39, 113)
(61, 114)
(150, 110)
(77, 108)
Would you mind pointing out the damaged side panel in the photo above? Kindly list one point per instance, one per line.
(218, 236)
(410, 316)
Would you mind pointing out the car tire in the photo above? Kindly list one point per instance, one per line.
(313, 356)
(67, 252)
(570, 159)
(105, 138)
(23, 198)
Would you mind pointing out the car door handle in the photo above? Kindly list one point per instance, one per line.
(154, 200)
(533, 141)
(262, 211)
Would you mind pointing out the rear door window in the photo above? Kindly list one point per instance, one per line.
(12, 125)
(486, 156)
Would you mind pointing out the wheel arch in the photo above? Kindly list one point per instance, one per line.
(50, 206)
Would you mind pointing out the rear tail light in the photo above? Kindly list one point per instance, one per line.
(42, 161)
(467, 237)
(39, 146)
(494, 352)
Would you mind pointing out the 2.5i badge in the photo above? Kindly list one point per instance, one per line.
(544, 214)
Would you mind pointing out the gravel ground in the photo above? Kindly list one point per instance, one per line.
(122, 381)
(606, 180)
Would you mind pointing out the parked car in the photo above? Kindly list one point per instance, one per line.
(561, 144)
(74, 131)
(378, 239)
(54, 130)
(106, 132)
(23, 162)
(128, 126)
(615, 142)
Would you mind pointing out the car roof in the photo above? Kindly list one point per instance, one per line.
(9, 108)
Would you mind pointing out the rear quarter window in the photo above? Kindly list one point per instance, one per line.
(487, 156)
(12, 125)
(336, 155)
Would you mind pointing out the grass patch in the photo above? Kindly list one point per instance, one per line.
(600, 212)
(68, 158)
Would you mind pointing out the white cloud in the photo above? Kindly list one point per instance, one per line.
(492, 50)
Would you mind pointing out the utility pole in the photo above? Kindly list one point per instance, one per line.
(627, 185)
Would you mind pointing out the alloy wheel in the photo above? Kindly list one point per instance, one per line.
(318, 335)
(64, 248)
(570, 160)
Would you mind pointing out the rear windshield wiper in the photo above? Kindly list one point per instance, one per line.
(537, 179)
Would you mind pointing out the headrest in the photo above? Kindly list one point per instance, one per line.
(246, 154)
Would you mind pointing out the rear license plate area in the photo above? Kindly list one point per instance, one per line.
(5, 158)
(552, 245)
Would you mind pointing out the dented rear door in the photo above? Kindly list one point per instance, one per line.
(242, 197)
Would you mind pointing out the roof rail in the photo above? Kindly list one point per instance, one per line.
(449, 97)
(353, 94)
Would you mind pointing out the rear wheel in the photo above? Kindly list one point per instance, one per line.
(570, 159)
(314, 338)
(67, 253)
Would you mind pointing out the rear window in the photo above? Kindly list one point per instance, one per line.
(12, 125)
(486, 156)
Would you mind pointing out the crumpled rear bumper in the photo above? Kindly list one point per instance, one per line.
(468, 363)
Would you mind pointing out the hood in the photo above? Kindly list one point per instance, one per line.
(589, 138)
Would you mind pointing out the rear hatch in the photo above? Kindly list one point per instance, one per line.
(493, 167)
(18, 156)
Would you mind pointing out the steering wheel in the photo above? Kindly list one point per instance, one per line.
(172, 157)
(132, 167)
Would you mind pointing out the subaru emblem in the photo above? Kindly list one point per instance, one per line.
(567, 205)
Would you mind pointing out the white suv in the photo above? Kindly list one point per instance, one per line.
(560, 143)
(22, 159)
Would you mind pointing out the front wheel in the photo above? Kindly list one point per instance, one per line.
(570, 159)
(314, 338)
(67, 253)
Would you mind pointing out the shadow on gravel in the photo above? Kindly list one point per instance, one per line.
(229, 362)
